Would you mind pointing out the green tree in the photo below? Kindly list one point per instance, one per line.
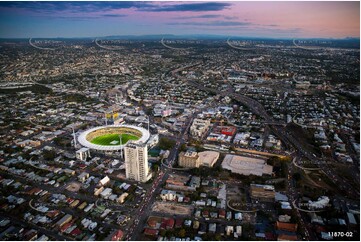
(217, 237)
(162, 233)
(49, 154)
(183, 147)
(165, 143)
(182, 233)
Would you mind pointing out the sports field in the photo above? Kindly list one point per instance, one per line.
(108, 139)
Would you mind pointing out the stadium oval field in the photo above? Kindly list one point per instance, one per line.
(113, 139)
(107, 138)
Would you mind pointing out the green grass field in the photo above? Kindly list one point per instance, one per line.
(108, 138)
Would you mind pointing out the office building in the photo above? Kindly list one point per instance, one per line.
(83, 153)
(199, 127)
(189, 159)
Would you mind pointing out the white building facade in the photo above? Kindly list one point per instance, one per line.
(136, 162)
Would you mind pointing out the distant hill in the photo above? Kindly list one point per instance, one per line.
(348, 42)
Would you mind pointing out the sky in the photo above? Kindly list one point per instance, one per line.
(247, 19)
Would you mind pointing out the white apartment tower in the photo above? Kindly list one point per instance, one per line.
(136, 162)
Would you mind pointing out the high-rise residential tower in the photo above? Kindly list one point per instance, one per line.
(136, 161)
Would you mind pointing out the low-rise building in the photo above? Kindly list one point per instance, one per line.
(83, 176)
(246, 165)
(189, 159)
(199, 127)
(83, 153)
(67, 218)
(208, 158)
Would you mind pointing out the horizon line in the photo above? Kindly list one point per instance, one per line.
(187, 35)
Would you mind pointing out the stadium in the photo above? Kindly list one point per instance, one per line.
(107, 138)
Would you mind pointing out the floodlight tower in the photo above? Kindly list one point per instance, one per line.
(121, 149)
(148, 122)
(74, 137)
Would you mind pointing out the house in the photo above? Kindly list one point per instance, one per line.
(104, 181)
(167, 223)
(284, 218)
(212, 227)
(106, 193)
(196, 224)
(238, 216)
(151, 232)
(67, 218)
(222, 213)
(97, 191)
(122, 197)
(117, 235)
(83, 176)
(286, 237)
(68, 171)
(205, 213)
(200, 203)
(178, 223)
(239, 230)
(326, 236)
(168, 195)
(187, 222)
(229, 230)
(229, 215)
(351, 219)
(214, 215)
(290, 227)
(76, 232)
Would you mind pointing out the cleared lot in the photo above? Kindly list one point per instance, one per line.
(171, 208)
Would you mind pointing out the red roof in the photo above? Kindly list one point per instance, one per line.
(118, 235)
(152, 232)
(286, 226)
(167, 223)
(152, 222)
(52, 214)
(228, 130)
(178, 222)
(76, 232)
(65, 227)
(270, 236)
(285, 237)
(320, 229)
(222, 213)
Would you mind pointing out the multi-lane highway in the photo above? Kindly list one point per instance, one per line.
(286, 137)
(146, 206)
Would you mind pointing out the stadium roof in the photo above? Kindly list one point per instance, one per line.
(83, 141)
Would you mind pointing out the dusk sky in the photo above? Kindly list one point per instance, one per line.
(248, 19)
